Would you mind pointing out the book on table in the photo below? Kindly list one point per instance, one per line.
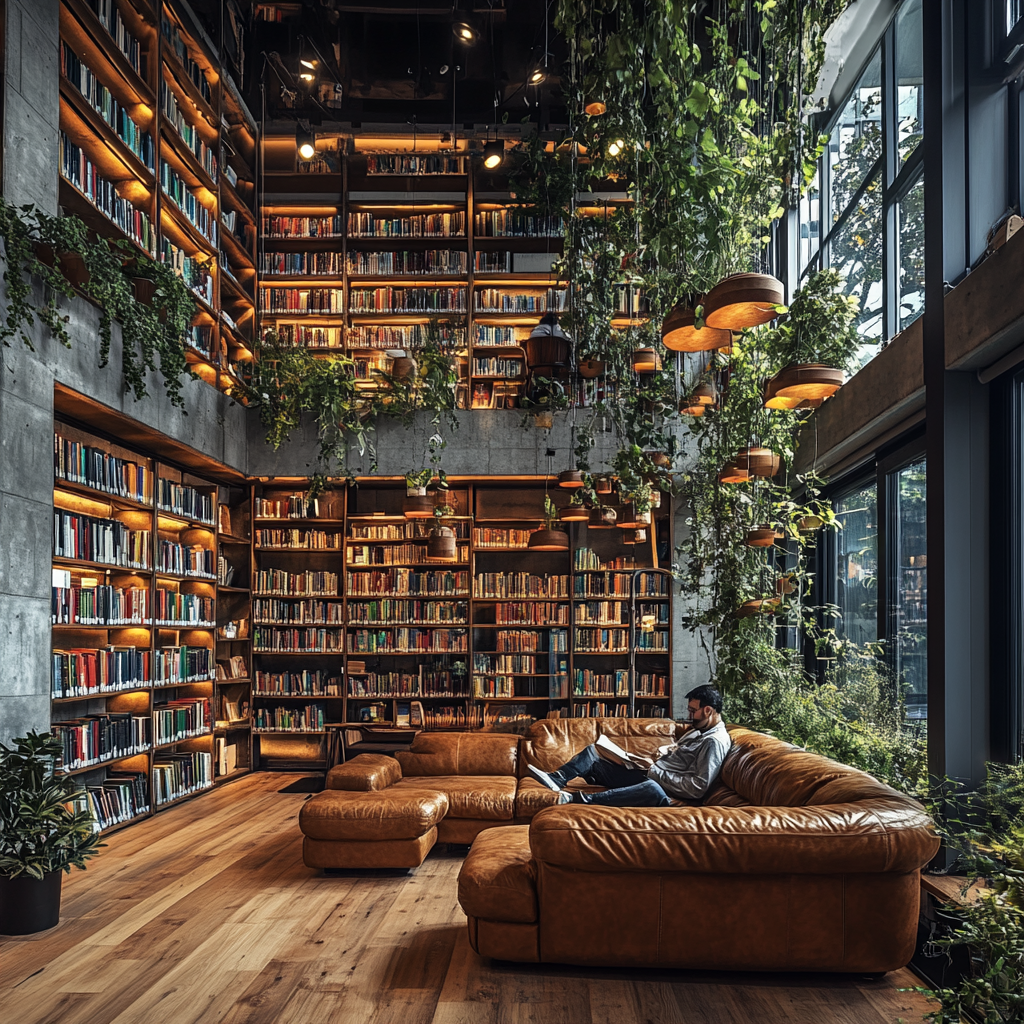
(613, 752)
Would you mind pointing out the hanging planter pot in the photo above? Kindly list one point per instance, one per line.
(29, 905)
(802, 382)
(680, 333)
(603, 484)
(548, 540)
(543, 420)
(733, 474)
(418, 506)
(743, 300)
(761, 462)
(441, 545)
(808, 524)
(646, 360)
(73, 267)
(630, 519)
(760, 537)
(574, 514)
(570, 479)
(691, 407)
(602, 518)
(591, 368)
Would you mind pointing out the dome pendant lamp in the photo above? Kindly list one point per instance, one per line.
(743, 300)
(802, 382)
(548, 540)
(680, 333)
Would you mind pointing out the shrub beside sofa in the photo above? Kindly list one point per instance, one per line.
(793, 862)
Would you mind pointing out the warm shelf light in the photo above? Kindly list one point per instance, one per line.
(680, 333)
(743, 300)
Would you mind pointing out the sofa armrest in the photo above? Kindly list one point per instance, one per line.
(365, 773)
(872, 836)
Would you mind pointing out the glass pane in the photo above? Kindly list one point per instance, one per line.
(909, 79)
(856, 141)
(1014, 10)
(910, 239)
(910, 589)
(856, 252)
(857, 566)
(810, 213)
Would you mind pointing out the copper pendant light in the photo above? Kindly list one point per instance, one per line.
(594, 106)
(758, 461)
(680, 333)
(588, 369)
(759, 606)
(691, 407)
(773, 400)
(603, 484)
(733, 474)
(806, 382)
(706, 394)
(418, 506)
(743, 300)
(570, 479)
(548, 540)
(574, 514)
(441, 544)
(646, 360)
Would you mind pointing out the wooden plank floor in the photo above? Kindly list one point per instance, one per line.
(206, 913)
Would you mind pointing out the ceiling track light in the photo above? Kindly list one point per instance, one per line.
(465, 33)
(494, 153)
(305, 142)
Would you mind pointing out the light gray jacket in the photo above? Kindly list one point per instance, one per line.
(689, 768)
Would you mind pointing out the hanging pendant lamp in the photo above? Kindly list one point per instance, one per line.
(758, 461)
(646, 360)
(548, 540)
(574, 514)
(441, 544)
(802, 382)
(594, 106)
(743, 300)
(705, 394)
(760, 537)
(691, 407)
(731, 473)
(570, 479)
(630, 519)
(680, 333)
(418, 506)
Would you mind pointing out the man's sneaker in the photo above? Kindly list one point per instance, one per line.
(565, 797)
(552, 780)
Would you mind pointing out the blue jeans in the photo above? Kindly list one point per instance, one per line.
(625, 787)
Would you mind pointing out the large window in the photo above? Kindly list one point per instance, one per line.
(869, 191)
(856, 588)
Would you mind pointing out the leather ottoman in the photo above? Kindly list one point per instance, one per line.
(384, 829)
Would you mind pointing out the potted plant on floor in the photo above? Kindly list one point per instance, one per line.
(40, 835)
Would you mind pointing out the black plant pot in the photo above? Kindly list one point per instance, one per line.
(28, 905)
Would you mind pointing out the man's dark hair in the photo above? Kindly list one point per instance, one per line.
(707, 695)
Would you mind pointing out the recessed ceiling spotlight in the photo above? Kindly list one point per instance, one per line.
(464, 33)
(494, 153)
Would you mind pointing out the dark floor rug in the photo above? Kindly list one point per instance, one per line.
(307, 784)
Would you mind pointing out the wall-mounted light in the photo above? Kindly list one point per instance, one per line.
(305, 141)
(494, 153)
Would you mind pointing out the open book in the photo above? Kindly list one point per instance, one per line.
(613, 752)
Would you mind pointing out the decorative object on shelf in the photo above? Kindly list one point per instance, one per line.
(731, 473)
(602, 518)
(640, 537)
(646, 360)
(570, 479)
(589, 369)
(548, 538)
(40, 837)
(548, 344)
(680, 333)
(743, 300)
(761, 462)
(760, 537)
(801, 383)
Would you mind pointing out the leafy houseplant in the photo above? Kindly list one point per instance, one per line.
(416, 481)
(39, 836)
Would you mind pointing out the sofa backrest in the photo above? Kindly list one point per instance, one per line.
(460, 753)
(767, 772)
(549, 743)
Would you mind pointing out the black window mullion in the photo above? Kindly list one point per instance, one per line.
(890, 159)
(876, 168)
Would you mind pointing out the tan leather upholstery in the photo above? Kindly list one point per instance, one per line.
(532, 797)
(794, 863)
(490, 797)
(365, 772)
(380, 853)
(460, 753)
(551, 742)
(464, 831)
(501, 882)
(334, 815)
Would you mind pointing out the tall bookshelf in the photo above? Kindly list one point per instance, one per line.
(371, 248)
(134, 612)
(157, 147)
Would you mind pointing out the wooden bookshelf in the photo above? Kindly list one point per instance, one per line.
(158, 148)
(134, 612)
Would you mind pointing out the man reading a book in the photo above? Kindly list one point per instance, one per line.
(682, 771)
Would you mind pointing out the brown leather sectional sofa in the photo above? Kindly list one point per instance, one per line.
(793, 862)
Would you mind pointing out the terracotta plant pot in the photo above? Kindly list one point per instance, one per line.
(761, 537)
(72, 266)
(591, 368)
(548, 540)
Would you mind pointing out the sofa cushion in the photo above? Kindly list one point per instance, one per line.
(551, 742)
(339, 815)
(720, 795)
(365, 772)
(490, 798)
(460, 753)
(532, 797)
(766, 772)
(498, 880)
